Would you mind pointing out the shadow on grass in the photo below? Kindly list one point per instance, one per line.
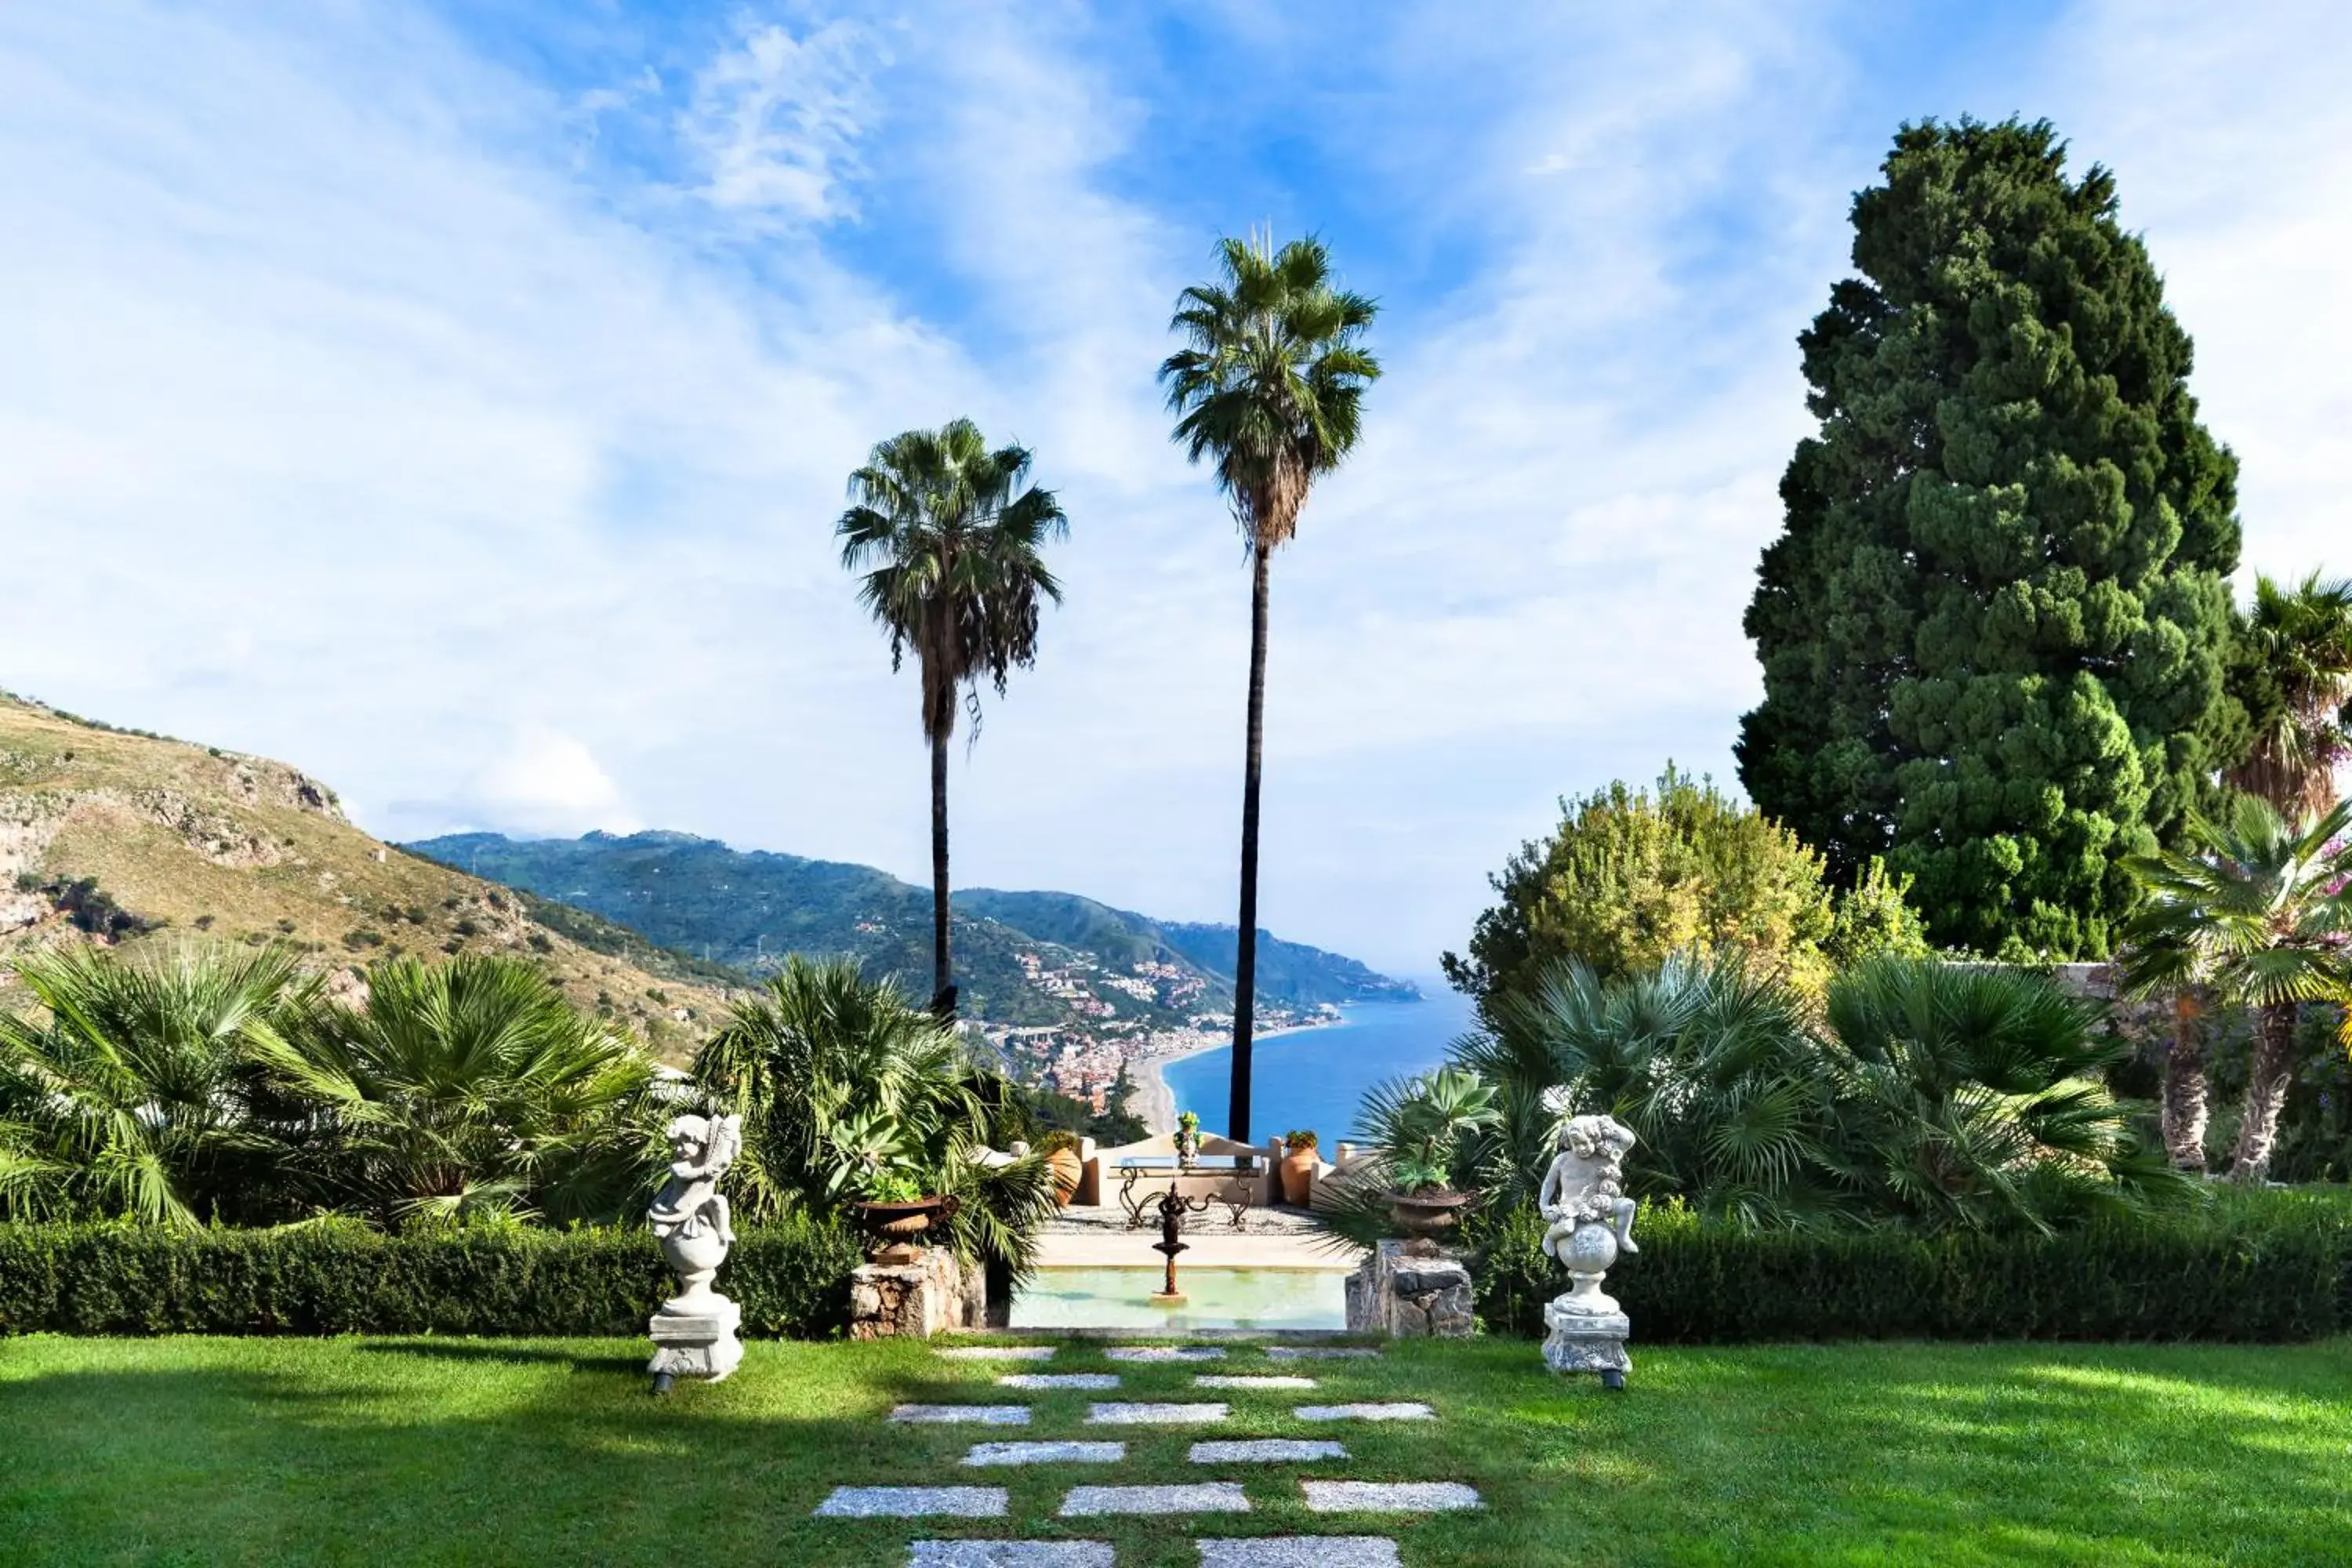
(515, 1354)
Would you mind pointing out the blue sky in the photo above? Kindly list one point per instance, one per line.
(456, 401)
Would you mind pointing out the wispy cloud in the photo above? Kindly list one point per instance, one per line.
(356, 416)
(773, 120)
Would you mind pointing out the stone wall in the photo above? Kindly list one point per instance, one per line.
(917, 1299)
(1405, 1297)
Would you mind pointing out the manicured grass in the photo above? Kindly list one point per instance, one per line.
(550, 1451)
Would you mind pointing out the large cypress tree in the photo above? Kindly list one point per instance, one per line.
(1994, 628)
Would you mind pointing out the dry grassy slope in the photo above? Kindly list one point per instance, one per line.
(246, 849)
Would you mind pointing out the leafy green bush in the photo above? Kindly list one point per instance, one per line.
(791, 1278)
(2246, 1269)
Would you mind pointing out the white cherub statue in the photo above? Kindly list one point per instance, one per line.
(702, 1148)
(1586, 1184)
(694, 1333)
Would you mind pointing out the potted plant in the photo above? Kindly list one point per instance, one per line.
(1061, 1152)
(1299, 1162)
(1421, 1127)
(1188, 1139)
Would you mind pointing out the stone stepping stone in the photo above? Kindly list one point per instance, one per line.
(1166, 1352)
(1268, 1451)
(963, 1415)
(1059, 1379)
(1063, 1453)
(912, 1502)
(994, 1352)
(1301, 1551)
(1321, 1352)
(1172, 1415)
(1388, 1497)
(1207, 1380)
(1011, 1554)
(1396, 1411)
(1209, 1497)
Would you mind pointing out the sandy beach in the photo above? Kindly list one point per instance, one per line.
(1156, 1102)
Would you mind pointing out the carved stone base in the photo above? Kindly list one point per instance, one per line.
(1586, 1341)
(1408, 1295)
(700, 1344)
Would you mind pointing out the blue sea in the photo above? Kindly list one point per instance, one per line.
(1315, 1077)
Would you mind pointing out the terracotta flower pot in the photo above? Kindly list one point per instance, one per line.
(1068, 1172)
(1299, 1177)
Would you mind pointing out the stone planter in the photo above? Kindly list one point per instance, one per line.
(1424, 1217)
(894, 1228)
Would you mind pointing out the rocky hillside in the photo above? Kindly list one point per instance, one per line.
(111, 836)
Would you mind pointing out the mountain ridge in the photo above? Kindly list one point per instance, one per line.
(1024, 959)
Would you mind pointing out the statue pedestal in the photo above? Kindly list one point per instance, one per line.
(697, 1342)
(1582, 1341)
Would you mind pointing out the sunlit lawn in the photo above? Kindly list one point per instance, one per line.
(497, 1452)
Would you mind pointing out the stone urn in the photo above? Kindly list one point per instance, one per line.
(1068, 1172)
(893, 1228)
(1188, 1148)
(695, 1258)
(1425, 1215)
(1298, 1175)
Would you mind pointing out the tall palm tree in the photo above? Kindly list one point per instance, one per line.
(950, 535)
(138, 1095)
(2256, 914)
(2298, 641)
(1269, 386)
(473, 1089)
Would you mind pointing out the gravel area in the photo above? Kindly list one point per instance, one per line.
(1011, 1554)
(1321, 1352)
(1165, 1352)
(1388, 1497)
(996, 1353)
(1301, 1551)
(1059, 1379)
(965, 1415)
(1212, 1380)
(1398, 1412)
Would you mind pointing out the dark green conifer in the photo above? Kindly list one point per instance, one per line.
(1994, 628)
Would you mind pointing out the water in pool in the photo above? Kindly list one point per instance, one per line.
(1213, 1298)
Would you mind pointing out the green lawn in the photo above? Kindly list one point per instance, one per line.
(516, 1451)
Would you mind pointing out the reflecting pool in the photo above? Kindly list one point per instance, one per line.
(1213, 1298)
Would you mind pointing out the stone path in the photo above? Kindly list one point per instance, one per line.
(1045, 1454)
(1211, 1497)
(1174, 1500)
(1014, 1554)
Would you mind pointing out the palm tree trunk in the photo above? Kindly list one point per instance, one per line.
(944, 995)
(2184, 1086)
(2267, 1084)
(1237, 1117)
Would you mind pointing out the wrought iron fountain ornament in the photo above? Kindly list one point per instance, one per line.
(1172, 1210)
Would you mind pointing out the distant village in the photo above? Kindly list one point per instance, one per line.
(1084, 1057)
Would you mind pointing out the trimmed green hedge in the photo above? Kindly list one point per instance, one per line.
(2262, 1268)
(791, 1280)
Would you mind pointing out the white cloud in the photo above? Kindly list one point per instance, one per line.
(547, 785)
(776, 120)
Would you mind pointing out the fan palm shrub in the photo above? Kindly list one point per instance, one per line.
(473, 1090)
(949, 536)
(1931, 1095)
(1269, 388)
(847, 1090)
(133, 1092)
(2252, 912)
(1974, 1097)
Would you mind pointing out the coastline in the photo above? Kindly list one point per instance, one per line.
(1155, 1102)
